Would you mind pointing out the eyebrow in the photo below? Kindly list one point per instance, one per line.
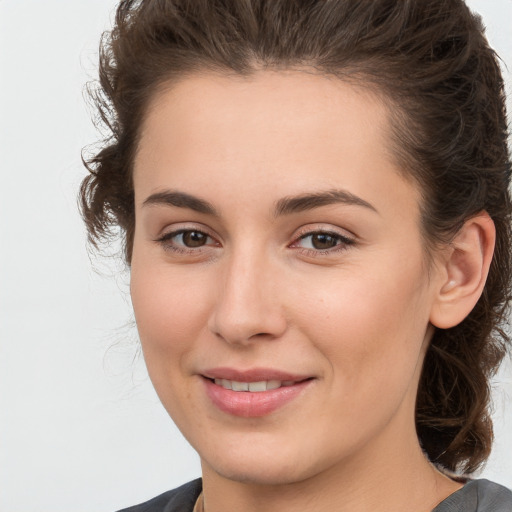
(284, 206)
(306, 202)
(181, 200)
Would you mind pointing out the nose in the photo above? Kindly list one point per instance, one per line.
(248, 306)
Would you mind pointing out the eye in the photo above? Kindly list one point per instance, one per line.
(191, 238)
(186, 240)
(322, 242)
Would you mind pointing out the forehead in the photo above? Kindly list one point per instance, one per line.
(268, 100)
(294, 129)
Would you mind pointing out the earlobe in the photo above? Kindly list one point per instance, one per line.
(464, 271)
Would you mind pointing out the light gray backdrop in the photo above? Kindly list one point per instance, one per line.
(80, 428)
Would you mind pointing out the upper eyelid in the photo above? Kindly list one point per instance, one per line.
(312, 229)
(169, 231)
(302, 232)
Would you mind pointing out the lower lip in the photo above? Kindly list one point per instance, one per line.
(253, 404)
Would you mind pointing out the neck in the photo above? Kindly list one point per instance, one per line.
(385, 476)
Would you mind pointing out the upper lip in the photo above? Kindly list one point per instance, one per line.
(252, 375)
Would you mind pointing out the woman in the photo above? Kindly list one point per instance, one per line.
(313, 197)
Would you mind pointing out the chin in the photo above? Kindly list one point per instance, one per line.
(265, 466)
(262, 474)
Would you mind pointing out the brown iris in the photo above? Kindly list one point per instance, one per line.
(323, 241)
(194, 238)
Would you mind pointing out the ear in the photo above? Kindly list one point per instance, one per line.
(462, 271)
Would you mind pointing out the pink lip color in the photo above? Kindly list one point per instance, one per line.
(255, 404)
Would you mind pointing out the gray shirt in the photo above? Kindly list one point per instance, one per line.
(478, 496)
(475, 496)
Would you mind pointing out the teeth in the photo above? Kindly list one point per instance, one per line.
(224, 383)
(254, 387)
(273, 384)
(239, 386)
(258, 386)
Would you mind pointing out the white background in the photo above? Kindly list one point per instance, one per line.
(80, 428)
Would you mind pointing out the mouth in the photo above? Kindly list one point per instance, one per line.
(254, 393)
(253, 387)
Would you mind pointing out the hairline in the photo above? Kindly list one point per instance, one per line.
(397, 119)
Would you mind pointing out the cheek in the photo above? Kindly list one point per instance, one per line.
(369, 325)
(170, 309)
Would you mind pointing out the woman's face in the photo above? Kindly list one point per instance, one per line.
(278, 252)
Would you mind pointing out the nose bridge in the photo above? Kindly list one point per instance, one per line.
(247, 305)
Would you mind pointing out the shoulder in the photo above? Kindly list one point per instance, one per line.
(492, 497)
(478, 496)
(181, 499)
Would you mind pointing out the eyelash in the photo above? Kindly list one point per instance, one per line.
(342, 242)
(166, 241)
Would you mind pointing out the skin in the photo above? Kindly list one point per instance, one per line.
(356, 317)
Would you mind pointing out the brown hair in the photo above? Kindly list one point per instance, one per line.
(431, 60)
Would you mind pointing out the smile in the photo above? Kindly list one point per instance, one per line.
(254, 393)
(253, 387)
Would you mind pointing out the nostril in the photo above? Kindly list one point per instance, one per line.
(239, 325)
